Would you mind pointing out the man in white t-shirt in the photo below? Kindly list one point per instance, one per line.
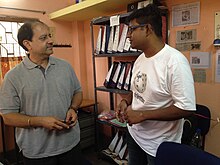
(162, 89)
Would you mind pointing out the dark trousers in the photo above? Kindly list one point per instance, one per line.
(136, 154)
(72, 157)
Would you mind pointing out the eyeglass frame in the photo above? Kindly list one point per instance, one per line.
(133, 27)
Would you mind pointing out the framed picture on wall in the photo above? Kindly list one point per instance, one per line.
(200, 59)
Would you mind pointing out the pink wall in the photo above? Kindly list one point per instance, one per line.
(206, 93)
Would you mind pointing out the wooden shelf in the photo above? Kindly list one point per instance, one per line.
(87, 103)
(89, 9)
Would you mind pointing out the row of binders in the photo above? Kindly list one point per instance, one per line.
(117, 150)
(113, 39)
(119, 75)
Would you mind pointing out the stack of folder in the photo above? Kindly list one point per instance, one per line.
(117, 150)
(119, 75)
(113, 39)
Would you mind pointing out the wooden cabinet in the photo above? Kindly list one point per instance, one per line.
(87, 123)
(87, 129)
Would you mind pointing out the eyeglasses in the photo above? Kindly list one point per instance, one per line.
(133, 27)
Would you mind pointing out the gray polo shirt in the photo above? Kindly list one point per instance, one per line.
(32, 91)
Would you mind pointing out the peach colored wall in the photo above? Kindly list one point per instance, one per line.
(88, 60)
(206, 93)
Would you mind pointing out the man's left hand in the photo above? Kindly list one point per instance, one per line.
(133, 117)
(71, 117)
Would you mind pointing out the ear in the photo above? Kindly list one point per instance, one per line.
(27, 44)
(149, 29)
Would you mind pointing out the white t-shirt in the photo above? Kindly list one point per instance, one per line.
(158, 82)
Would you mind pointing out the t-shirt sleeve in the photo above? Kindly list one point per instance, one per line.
(182, 86)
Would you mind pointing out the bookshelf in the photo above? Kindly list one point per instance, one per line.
(95, 24)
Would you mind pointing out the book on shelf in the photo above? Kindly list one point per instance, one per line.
(133, 50)
(108, 31)
(113, 143)
(121, 29)
(122, 153)
(118, 73)
(126, 84)
(121, 77)
(123, 38)
(111, 40)
(99, 41)
(119, 146)
(108, 83)
(116, 39)
(127, 80)
(114, 73)
(107, 79)
(127, 45)
(103, 40)
(124, 76)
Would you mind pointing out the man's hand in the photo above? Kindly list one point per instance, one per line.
(133, 117)
(120, 111)
(52, 123)
(71, 117)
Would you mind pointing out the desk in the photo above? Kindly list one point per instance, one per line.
(87, 103)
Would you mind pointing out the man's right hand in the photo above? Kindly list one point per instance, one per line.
(50, 123)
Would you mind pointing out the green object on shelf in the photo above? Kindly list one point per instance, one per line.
(118, 123)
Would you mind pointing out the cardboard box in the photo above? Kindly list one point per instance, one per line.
(138, 5)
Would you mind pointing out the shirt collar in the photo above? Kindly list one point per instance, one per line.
(30, 65)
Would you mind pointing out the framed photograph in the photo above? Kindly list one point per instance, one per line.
(200, 59)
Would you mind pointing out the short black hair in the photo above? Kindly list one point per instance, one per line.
(150, 14)
(26, 32)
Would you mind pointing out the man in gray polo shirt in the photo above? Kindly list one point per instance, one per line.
(40, 97)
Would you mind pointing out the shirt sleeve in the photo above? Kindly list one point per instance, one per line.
(75, 81)
(9, 99)
(182, 86)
